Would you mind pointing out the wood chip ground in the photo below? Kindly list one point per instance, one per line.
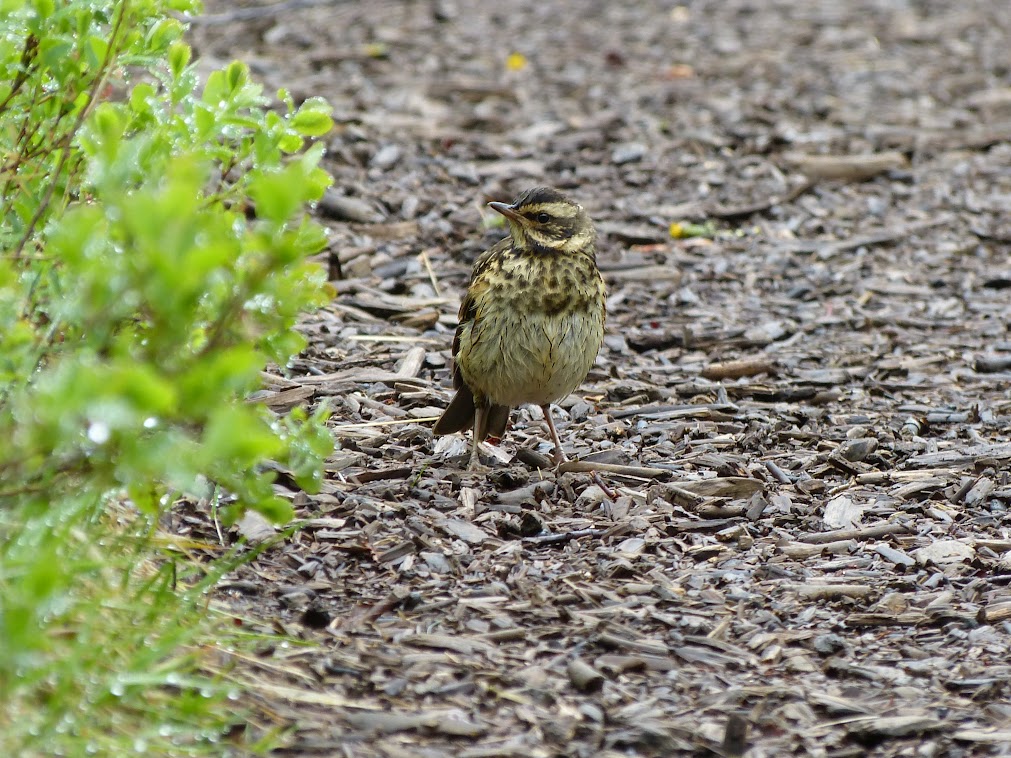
(806, 415)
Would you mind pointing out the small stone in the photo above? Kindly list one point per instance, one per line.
(828, 644)
(632, 152)
(858, 449)
(580, 410)
(345, 208)
(386, 157)
(409, 208)
(590, 497)
(436, 562)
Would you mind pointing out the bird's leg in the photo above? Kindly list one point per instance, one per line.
(561, 458)
(475, 450)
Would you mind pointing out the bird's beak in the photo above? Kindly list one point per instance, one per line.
(508, 211)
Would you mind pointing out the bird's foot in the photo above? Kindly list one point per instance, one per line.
(475, 464)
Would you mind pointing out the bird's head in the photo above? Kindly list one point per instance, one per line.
(544, 220)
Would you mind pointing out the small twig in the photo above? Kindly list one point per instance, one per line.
(27, 56)
(847, 167)
(738, 211)
(777, 473)
(562, 537)
(864, 533)
(739, 369)
(386, 422)
(587, 467)
(609, 493)
(427, 263)
(991, 364)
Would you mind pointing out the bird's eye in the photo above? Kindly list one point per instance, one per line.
(543, 218)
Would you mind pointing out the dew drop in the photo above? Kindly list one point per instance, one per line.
(99, 433)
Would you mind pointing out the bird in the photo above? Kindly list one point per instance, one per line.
(531, 321)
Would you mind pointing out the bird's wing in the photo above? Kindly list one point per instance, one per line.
(468, 314)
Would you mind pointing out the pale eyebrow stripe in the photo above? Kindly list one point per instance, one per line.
(560, 210)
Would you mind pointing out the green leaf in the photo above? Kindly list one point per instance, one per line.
(236, 75)
(313, 118)
(165, 33)
(277, 195)
(97, 49)
(230, 372)
(275, 509)
(143, 387)
(185, 6)
(214, 89)
(238, 436)
(179, 57)
(290, 143)
(55, 52)
(109, 123)
(44, 8)
(141, 97)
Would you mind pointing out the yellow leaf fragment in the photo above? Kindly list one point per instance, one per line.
(516, 62)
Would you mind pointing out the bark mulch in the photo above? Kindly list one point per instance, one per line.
(805, 410)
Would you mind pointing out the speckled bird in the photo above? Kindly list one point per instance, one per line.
(532, 320)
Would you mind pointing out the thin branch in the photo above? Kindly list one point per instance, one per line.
(29, 53)
(96, 86)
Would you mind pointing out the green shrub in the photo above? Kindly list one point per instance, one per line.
(154, 245)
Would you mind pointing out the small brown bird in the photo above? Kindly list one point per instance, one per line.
(532, 320)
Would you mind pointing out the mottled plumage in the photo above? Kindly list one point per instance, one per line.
(532, 319)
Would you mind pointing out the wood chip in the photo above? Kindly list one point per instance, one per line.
(864, 533)
(894, 726)
(892, 555)
(831, 591)
(804, 413)
(847, 167)
(255, 528)
(943, 552)
(583, 676)
(963, 457)
(464, 530)
(842, 513)
(465, 645)
(739, 369)
(737, 487)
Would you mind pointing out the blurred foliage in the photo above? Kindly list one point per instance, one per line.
(153, 259)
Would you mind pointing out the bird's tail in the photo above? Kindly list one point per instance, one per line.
(495, 421)
(459, 416)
